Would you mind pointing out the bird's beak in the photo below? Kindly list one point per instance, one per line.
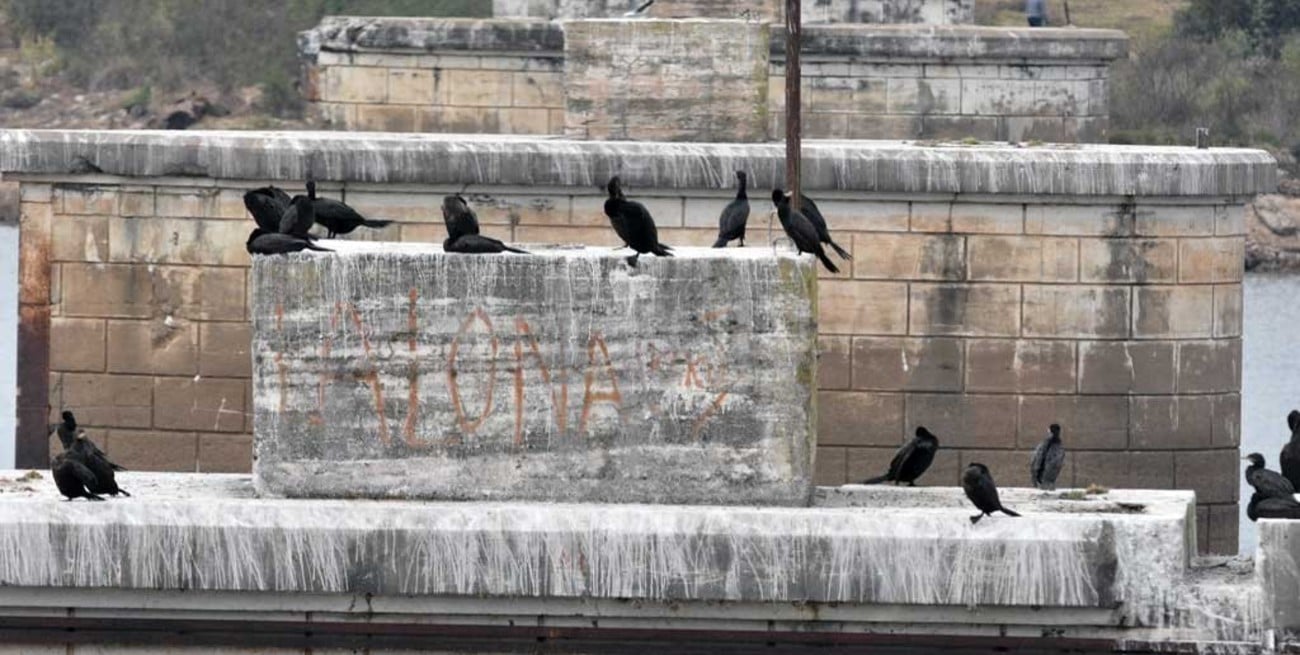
(1244, 459)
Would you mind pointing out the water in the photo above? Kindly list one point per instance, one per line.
(1271, 378)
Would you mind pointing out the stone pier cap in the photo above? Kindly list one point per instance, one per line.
(455, 160)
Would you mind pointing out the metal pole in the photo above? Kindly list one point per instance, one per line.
(793, 101)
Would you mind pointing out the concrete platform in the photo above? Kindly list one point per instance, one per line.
(397, 371)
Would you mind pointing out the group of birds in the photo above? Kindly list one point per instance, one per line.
(1274, 496)
(284, 223)
(915, 457)
(82, 470)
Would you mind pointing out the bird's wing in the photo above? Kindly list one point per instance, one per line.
(734, 215)
(288, 220)
(988, 490)
(903, 454)
(82, 472)
(1055, 460)
(814, 213)
(1038, 463)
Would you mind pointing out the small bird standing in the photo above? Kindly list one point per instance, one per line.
(458, 217)
(1289, 460)
(1048, 458)
(261, 242)
(814, 214)
(72, 477)
(338, 218)
(85, 451)
(1269, 483)
(633, 223)
(267, 205)
(978, 484)
(911, 460)
(731, 223)
(477, 244)
(1265, 507)
(800, 229)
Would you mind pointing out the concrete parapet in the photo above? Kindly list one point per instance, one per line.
(930, 12)
(387, 371)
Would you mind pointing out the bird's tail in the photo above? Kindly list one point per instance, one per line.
(876, 480)
(117, 467)
(976, 519)
(661, 250)
(1009, 512)
(375, 223)
(826, 261)
(509, 249)
(720, 243)
(312, 246)
(839, 251)
(124, 492)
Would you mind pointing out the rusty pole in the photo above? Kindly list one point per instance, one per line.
(793, 137)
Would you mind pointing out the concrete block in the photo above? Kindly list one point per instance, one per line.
(1133, 261)
(838, 94)
(877, 127)
(1077, 312)
(153, 347)
(1079, 220)
(85, 199)
(897, 363)
(830, 466)
(1230, 220)
(909, 257)
(177, 241)
(1227, 310)
(1088, 422)
(35, 192)
(225, 453)
(386, 118)
(224, 350)
(1171, 422)
(79, 238)
(1124, 470)
(977, 310)
(1214, 474)
(994, 97)
(524, 121)
(124, 401)
(859, 418)
(924, 96)
(1209, 366)
(355, 84)
(852, 307)
(1226, 411)
(1183, 312)
(413, 86)
(1175, 220)
(142, 450)
(1277, 566)
(1223, 529)
(958, 128)
(1023, 259)
(964, 421)
(458, 120)
(1123, 367)
(834, 363)
(99, 290)
(862, 216)
(968, 218)
(466, 368)
(77, 344)
(1211, 260)
(1020, 366)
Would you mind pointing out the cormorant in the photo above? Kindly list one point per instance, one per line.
(267, 205)
(633, 223)
(911, 460)
(337, 217)
(978, 484)
(1269, 483)
(800, 229)
(1265, 507)
(301, 215)
(1047, 461)
(85, 451)
(67, 429)
(261, 242)
(1289, 460)
(477, 244)
(639, 10)
(731, 224)
(814, 214)
(458, 217)
(72, 477)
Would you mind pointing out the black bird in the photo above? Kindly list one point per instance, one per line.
(1269, 483)
(261, 242)
(1047, 461)
(85, 451)
(458, 217)
(1289, 460)
(72, 477)
(301, 215)
(67, 429)
(477, 244)
(633, 223)
(1265, 507)
(978, 484)
(800, 229)
(337, 217)
(731, 224)
(639, 10)
(810, 209)
(911, 460)
(267, 206)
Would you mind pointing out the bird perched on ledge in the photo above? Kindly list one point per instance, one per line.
(1289, 460)
(267, 205)
(458, 217)
(1266, 507)
(911, 460)
(800, 229)
(1269, 483)
(978, 484)
(731, 224)
(262, 242)
(72, 477)
(1048, 458)
(477, 244)
(633, 223)
(815, 216)
(85, 451)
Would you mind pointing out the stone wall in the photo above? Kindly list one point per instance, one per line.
(993, 289)
(872, 82)
(929, 12)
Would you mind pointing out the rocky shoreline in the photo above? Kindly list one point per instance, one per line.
(1273, 233)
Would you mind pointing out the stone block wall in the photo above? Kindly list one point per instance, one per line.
(929, 12)
(993, 290)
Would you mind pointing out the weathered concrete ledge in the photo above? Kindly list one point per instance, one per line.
(397, 371)
(388, 34)
(1278, 568)
(929, 42)
(873, 166)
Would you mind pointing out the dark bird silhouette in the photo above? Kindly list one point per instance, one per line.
(815, 216)
(1265, 507)
(1269, 483)
(67, 429)
(633, 223)
(639, 10)
(477, 244)
(267, 205)
(978, 484)
(1289, 460)
(85, 451)
(338, 218)
(1048, 458)
(911, 460)
(261, 242)
(301, 215)
(800, 229)
(731, 224)
(72, 477)
(458, 217)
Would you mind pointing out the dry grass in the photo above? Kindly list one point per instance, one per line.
(1142, 19)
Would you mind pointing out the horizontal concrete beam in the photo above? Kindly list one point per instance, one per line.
(395, 34)
(864, 166)
(960, 42)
